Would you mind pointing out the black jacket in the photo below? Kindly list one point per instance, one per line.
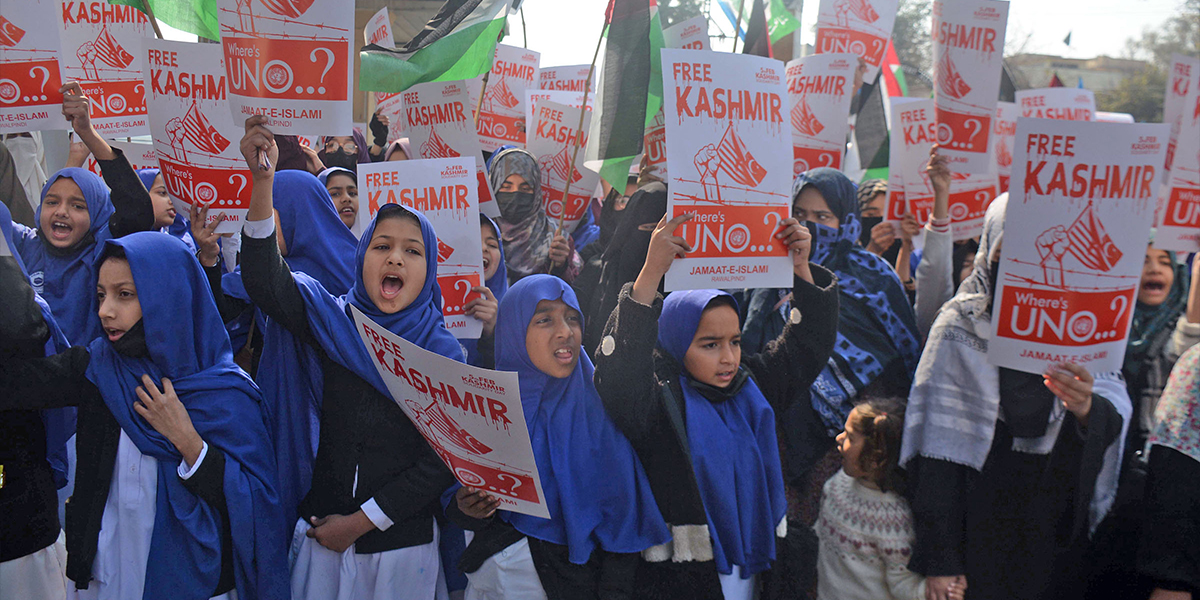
(364, 434)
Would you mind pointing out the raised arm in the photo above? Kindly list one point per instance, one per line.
(935, 274)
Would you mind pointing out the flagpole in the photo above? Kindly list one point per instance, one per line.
(482, 91)
(153, 20)
(737, 25)
(587, 88)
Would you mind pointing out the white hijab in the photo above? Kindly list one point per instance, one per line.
(29, 158)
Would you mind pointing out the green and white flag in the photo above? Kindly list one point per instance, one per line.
(198, 17)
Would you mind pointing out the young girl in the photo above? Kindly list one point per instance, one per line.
(601, 508)
(166, 219)
(702, 416)
(480, 353)
(175, 491)
(865, 526)
(342, 185)
(367, 522)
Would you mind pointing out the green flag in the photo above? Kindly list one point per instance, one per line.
(780, 21)
(193, 16)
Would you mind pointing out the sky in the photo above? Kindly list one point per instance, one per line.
(566, 32)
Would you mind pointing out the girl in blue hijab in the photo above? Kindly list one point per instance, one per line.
(495, 285)
(602, 510)
(166, 218)
(175, 493)
(375, 482)
(342, 185)
(702, 415)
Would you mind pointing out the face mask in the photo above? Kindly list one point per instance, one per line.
(514, 204)
(994, 277)
(22, 149)
(341, 159)
(868, 224)
(823, 238)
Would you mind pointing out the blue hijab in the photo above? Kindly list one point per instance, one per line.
(876, 323)
(596, 489)
(497, 283)
(734, 450)
(60, 422)
(67, 280)
(181, 228)
(289, 372)
(223, 404)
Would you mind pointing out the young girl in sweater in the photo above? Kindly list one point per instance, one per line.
(865, 526)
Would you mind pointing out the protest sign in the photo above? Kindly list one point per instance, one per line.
(860, 27)
(501, 119)
(444, 191)
(194, 135)
(29, 72)
(1179, 215)
(1182, 83)
(471, 417)
(379, 30)
(390, 105)
(913, 133)
(102, 50)
(691, 34)
(1067, 104)
(140, 156)
(553, 138)
(573, 99)
(437, 118)
(571, 78)
(1075, 234)
(820, 87)
(970, 196)
(290, 61)
(968, 49)
(728, 145)
(1004, 129)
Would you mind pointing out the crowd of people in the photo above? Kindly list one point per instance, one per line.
(187, 415)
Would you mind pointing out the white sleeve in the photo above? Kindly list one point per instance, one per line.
(186, 472)
(935, 274)
(376, 515)
(260, 229)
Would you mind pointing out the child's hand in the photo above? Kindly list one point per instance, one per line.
(339, 532)
(205, 235)
(476, 504)
(1072, 384)
(483, 308)
(166, 414)
(950, 587)
(664, 248)
(76, 107)
(257, 144)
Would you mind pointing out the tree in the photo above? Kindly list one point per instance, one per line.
(674, 11)
(911, 35)
(1142, 94)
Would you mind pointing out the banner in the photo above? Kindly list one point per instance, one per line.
(552, 140)
(968, 51)
(471, 417)
(1182, 83)
(102, 50)
(1075, 234)
(289, 60)
(1179, 218)
(820, 87)
(860, 27)
(728, 153)
(196, 141)
(566, 79)
(1004, 129)
(691, 34)
(444, 191)
(29, 73)
(502, 116)
(140, 156)
(1066, 104)
(436, 117)
(913, 134)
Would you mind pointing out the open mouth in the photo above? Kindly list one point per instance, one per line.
(61, 230)
(113, 333)
(486, 263)
(564, 356)
(390, 286)
(1156, 287)
(725, 376)
(348, 210)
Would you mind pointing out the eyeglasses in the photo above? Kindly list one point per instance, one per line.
(350, 147)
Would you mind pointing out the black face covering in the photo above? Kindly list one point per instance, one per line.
(868, 224)
(994, 277)
(516, 205)
(133, 343)
(342, 159)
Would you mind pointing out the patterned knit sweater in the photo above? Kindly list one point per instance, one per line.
(866, 540)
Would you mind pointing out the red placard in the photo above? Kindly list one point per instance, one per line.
(1072, 319)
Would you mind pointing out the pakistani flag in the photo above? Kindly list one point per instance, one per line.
(458, 43)
(193, 16)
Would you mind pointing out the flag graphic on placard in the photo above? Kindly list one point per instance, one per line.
(444, 251)
(1090, 243)
(433, 418)
(804, 121)
(436, 147)
(1003, 154)
(110, 52)
(736, 160)
(557, 166)
(200, 132)
(287, 8)
(949, 81)
(500, 94)
(860, 8)
(10, 34)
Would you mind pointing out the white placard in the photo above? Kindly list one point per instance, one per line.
(970, 196)
(1004, 130)
(29, 71)
(820, 87)
(553, 139)
(196, 140)
(860, 27)
(140, 156)
(728, 152)
(913, 133)
(1182, 83)
(102, 50)
(1179, 217)
(437, 116)
(444, 191)
(1075, 234)
(290, 60)
(471, 417)
(1066, 104)
(502, 116)
(379, 30)
(573, 99)
(571, 78)
(968, 51)
(691, 34)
